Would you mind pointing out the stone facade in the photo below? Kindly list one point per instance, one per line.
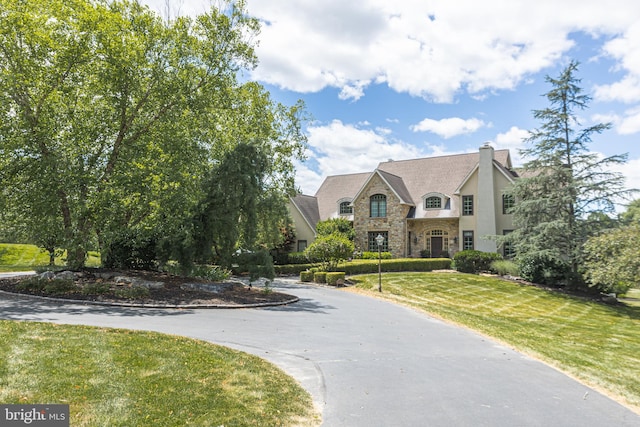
(394, 223)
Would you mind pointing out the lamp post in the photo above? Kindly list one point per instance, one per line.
(379, 241)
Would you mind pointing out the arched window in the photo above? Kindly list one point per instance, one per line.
(378, 206)
(346, 208)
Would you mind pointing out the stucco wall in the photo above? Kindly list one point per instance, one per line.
(302, 229)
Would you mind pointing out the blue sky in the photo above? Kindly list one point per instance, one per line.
(414, 78)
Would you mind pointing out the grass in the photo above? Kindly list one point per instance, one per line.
(596, 343)
(18, 257)
(632, 297)
(115, 377)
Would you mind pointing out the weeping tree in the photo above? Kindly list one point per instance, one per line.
(226, 225)
(110, 116)
(561, 185)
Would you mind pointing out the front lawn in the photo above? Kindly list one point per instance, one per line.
(597, 343)
(124, 378)
(18, 257)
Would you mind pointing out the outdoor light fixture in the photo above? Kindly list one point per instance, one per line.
(380, 242)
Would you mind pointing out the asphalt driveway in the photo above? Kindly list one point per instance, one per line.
(368, 362)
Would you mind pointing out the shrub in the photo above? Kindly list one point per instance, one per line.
(336, 226)
(472, 261)
(96, 288)
(131, 249)
(543, 269)
(320, 277)
(210, 272)
(306, 276)
(257, 264)
(51, 287)
(133, 292)
(335, 278)
(330, 250)
(396, 265)
(374, 255)
(505, 267)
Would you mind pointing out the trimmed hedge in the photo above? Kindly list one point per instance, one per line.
(374, 255)
(335, 278)
(306, 276)
(396, 265)
(320, 277)
(364, 266)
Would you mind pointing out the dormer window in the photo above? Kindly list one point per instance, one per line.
(433, 202)
(346, 208)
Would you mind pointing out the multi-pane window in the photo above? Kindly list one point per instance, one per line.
(373, 245)
(346, 208)
(467, 205)
(508, 202)
(302, 245)
(433, 202)
(467, 240)
(378, 206)
(507, 247)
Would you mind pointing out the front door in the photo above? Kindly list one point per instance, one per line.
(436, 247)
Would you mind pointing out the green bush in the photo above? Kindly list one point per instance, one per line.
(340, 226)
(365, 266)
(320, 277)
(544, 269)
(396, 265)
(96, 288)
(51, 287)
(306, 276)
(257, 264)
(133, 292)
(335, 278)
(374, 255)
(472, 261)
(505, 267)
(131, 249)
(330, 250)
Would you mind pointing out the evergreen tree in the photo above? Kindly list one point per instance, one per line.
(562, 184)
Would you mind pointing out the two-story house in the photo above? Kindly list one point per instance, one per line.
(432, 207)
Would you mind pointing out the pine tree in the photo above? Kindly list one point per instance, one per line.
(561, 185)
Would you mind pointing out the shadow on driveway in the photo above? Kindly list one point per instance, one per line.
(23, 308)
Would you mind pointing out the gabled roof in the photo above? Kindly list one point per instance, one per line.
(394, 182)
(410, 180)
(441, 174)
(338, 187)
(308, 208)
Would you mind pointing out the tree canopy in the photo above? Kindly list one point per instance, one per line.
(563, 182)
(112, 119)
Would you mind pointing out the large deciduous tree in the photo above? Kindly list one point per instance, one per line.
(110, 117)
(562, 183)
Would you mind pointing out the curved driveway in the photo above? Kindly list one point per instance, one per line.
(368, 362)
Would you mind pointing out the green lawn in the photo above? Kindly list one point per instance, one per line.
(596, 343)
(123, 378)
(16, 257)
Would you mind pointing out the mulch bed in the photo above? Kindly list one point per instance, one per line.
(174, 292)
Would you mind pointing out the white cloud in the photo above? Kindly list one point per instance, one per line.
(432, 49)
(626, 50)
(626, 124)
(513, 139)
(449, 127)
(339, 148)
